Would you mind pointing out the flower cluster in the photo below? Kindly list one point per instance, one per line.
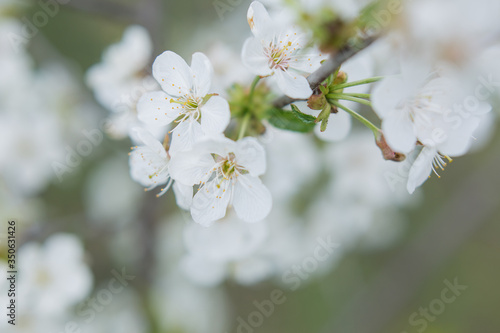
(197, 155)
(214, 163)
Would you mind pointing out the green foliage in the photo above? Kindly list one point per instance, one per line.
(306, 118)
(294, 120)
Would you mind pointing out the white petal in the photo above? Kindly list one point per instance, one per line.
(259, 20)
(173, 74)
(215, 115)
(293, 85)
(202, 73)
(251, 155)
(458, 141)
(155, 109)
(253, 57)
(387, 95)
(307, 63)
(132, 53)
(210, 202)
(147, 139)
(339, 126)
(219, 145)
(148, 167)
(191, 168)
(421, 169)
(183, 195)
(252, 200)
(185, 135)
(398, 131)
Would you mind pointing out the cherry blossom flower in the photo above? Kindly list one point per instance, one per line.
(431, 114)
(412, 111)
(184, 99)
(149, 166)
(227, 174)
(280, 52)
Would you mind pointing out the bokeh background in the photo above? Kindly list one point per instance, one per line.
(396, 250)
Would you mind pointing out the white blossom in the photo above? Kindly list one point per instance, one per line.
(184, 99)
(55, 276)
(430, 114)
(280, 52)
(227, 173)
(120, 79)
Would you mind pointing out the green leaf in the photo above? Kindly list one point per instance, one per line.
(295, 121)
(306, 118)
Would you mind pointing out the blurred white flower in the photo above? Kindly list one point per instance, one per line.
(55, 276)
(360, 175)
(217, 252)
(434, 30)
(280, 52)
(411, 112)
(430, 111)
(185, 97)
(120, 79)
(227, 172)
(34, 142)
(118, 74)
(228, 68)
(290, 163)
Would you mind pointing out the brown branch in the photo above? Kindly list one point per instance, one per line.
(328, 67)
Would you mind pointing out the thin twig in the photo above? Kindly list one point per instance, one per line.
(327, 68)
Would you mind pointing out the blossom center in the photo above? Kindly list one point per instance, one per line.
(190, 107)
(192, 103)
(278, 56)
(227, 167)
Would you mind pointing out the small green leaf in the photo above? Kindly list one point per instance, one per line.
(324, 116)
(295, 121)
(306, 118)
